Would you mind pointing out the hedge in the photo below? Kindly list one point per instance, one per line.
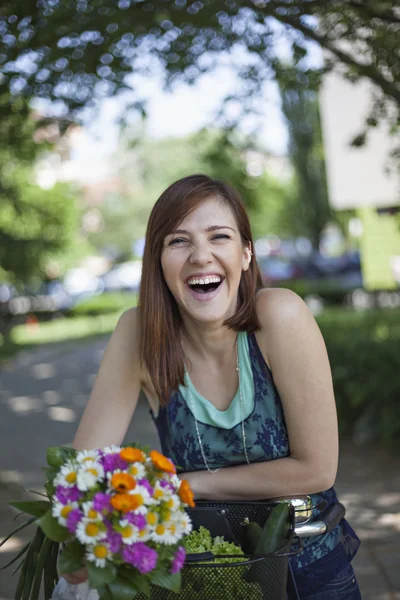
(364, 354)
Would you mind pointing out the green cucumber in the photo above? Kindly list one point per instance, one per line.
(275, 530)
(250, 536)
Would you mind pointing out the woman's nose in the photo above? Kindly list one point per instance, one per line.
(201, 254)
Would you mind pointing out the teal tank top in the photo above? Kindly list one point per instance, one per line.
(266, 439)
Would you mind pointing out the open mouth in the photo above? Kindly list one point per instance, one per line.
(205, 286)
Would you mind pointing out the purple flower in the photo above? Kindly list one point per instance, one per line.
(65, 495)
(146, 484)
(167, 485)
(111, 462)
(114, 540)
(140, 556)
(179, 560)
(73, 519)
(138, 520)
(101, 502)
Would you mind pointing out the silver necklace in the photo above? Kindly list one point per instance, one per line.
(191, 402)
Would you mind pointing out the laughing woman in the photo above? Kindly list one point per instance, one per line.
(237, 377)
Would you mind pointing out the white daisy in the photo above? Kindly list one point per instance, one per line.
(89, 474)
(61, 511)
(67, 475)
(173, 503)
(143, 499)
(184, 523)
(176, 482)
(90, 532)
(129, 532)
(152, 518)
(160, 493)
(98, 554)
(161, 533)
(87, 456)
(173, 529)
(113, 449)
(90, 513)
(137, 470)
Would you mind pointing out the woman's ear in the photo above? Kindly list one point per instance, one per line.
(247, 257)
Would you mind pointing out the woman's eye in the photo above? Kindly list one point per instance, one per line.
(177, 241)
(221, 236)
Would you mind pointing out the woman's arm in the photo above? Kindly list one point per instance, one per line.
(116, 390)
(294, 348)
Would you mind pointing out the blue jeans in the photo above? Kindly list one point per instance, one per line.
(343, 587)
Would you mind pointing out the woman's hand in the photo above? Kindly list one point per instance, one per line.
(79, 576)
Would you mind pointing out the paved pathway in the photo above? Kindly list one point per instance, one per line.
(42, 395)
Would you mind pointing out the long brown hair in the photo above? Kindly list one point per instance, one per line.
(159, 319)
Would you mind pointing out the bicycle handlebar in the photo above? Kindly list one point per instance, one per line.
(327, 521)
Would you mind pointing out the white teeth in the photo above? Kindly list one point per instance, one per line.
(205, 281)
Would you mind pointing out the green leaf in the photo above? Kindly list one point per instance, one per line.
(99, 576)
(53, 529)
(168, 581)
(122, 589)
(31, 561)
(28, 522)
(50, 572)
(104, 593)
(21, 582)
(37, 508)
(71, 557)
(140, 582)
(58, 455)
(42, 559)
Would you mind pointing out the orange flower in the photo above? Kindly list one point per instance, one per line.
(122, 482)
(185, 493)
(161, 462)
(132, 455)
(123, 502)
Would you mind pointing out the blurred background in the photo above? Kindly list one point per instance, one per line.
(103, 104)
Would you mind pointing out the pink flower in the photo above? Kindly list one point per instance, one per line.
(101, 502)
(138, 520)
(140, 556)
(74, 517)
(111, 462)
(179, 560)
(66, 495)
(146, 484)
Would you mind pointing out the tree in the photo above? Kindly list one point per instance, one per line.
(35, 224)
(299, 96)
(75, 51)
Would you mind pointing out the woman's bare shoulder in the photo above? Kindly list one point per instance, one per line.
(272, 303)
(278, 311)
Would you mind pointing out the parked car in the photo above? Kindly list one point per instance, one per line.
(123, 277)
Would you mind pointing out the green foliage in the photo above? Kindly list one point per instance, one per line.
(364, 357)
(311, 210)
(74, 52)
(52, 529)
(34, 223)
(104, 304)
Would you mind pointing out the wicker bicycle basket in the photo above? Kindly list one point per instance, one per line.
(253, 578)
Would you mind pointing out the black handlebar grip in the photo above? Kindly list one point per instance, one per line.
(332, 516)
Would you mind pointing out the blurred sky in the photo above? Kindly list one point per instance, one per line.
(182, 111)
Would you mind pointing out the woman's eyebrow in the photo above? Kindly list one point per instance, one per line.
(210, 228)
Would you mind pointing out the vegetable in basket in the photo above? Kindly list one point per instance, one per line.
(199, 583)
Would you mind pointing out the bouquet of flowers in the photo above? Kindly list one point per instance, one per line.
(119, 510)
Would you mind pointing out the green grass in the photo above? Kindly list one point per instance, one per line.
(87, 323)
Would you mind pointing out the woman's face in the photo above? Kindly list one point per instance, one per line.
(202, 262)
